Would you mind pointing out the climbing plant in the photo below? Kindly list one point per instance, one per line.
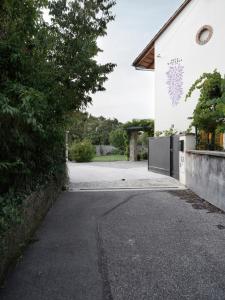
(209, 114)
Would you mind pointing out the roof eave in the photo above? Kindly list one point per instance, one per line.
(151, 45)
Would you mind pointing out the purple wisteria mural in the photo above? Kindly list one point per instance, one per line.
(175, 80)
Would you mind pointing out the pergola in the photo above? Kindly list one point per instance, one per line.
(133, 136)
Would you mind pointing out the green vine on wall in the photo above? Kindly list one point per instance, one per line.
(209, 114)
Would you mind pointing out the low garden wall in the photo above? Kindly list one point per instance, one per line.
(34, 208)
(205, 175)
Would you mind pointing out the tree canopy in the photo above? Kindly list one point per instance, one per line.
(95, 129)
(46, 71)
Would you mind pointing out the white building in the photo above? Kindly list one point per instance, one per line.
(189, 44)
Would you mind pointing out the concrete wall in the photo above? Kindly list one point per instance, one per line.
(189, 144)
(178, 42)
(205, 175)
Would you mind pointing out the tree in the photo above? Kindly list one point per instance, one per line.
(96, 129)
(22, 105)
(46, 71)
(118, 139)
(77, 126)
(76, 26)
(209, 114)
(100, 132)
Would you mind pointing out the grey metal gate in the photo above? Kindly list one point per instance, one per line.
(164, 155)
(175, 148)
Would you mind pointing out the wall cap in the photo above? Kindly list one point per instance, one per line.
(187, 134)
(209, 153)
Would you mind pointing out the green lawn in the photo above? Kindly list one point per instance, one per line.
(108, 158)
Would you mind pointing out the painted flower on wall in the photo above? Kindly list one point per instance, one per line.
(175, 80)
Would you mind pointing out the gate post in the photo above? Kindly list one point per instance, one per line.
(171, 155)
(133, 146)
(187, 142)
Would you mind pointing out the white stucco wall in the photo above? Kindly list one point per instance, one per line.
(179, 41)
(189, 144)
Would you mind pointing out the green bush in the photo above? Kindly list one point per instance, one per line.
(9, 212)
(82, 152)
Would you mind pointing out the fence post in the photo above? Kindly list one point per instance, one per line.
(67, 146)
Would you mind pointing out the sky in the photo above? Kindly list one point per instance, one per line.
(130, 93)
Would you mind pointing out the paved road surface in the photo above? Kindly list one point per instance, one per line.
(117, 175)
(124, 245)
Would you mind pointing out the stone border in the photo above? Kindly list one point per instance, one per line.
(34, 209)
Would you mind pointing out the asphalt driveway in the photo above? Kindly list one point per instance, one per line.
(124, 245)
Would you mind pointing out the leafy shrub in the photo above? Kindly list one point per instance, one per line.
(9, 211)
(82, 152)
(209, 113)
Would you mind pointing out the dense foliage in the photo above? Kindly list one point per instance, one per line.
(118, 138)
(168, 132)
(209, 114)
(81, 151)
(46, 71)
(103, 131)
(96, 129)
(147, 124)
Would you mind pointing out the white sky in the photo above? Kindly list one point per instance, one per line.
(129, 93)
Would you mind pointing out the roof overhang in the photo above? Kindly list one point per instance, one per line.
(146, 59)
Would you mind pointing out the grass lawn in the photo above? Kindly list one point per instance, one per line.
(108, 158)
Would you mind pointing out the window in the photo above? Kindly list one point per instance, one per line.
(204, 35)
